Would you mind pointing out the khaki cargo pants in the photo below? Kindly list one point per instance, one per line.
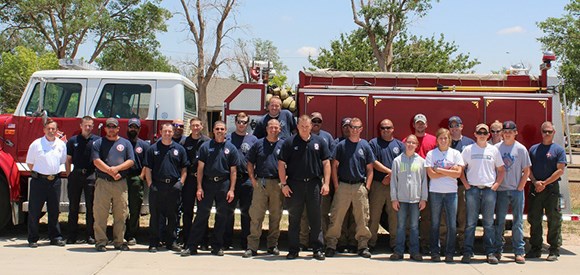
(379, 199)
(266, 196)
(107, 192)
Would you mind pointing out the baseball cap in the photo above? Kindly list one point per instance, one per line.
(420, 117)
(316, 115)
(346, 121)
(509, 125)
(134, 121)
(113, 121)
(455, 119)
(481, 126)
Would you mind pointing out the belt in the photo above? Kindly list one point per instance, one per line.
(169, 180)
(104, 176)
(352, 181)
(83, 171)
(306, 179)
(481, 186)
(193, 174)
(217, 179)
(42, 176)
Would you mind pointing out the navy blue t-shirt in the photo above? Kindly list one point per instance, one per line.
(545, 159)
(166, 161)
(191, 147)
(140, 146)
(119, 151)
(462, 143)
(218, 158)
(287, 124)
(80, 149)
(385, 152)
(304, 158)
(329, 140)
(243, 144)
(353, 157)
(264, 156)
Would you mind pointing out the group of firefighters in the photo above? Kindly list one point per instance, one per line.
(432, 187)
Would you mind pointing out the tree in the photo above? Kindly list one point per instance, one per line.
(66, 25)
(264, 50)
(353, 52)
(135, 57)
(562, 35)
(206, 65)
(15, 70)
(383, 20)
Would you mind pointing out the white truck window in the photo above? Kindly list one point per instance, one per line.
(190, 104)
(60, 99)
(124, 101)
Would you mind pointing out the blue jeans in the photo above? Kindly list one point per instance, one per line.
(440, 201)
(514, 198)
(480, 201)
(410, 212)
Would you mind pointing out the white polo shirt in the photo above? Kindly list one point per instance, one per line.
(46, 156)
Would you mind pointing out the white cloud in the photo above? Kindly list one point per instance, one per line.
(307, 51)
(511, 30)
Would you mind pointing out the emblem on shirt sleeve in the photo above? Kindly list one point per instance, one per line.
(156, 153)
(316, 146)
(226, 151)
(76, 145)
(361, 152)
(120, 147)
(175, 152)
(139, 150)
(278, 152)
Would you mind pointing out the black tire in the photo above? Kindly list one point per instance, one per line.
(5, 212)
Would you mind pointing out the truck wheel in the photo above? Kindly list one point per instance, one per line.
(4, 202)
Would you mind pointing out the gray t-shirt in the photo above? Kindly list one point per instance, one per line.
(515, 158)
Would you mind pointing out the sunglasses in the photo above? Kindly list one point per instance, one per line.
(496, 131)
(317, 121)
(386, 127)
(178, 125)
(455, 126)
(482, 133)
(111, 126)
(547, 132)
(242, 122)
(355, 127)
(220, 129)
(133, 127)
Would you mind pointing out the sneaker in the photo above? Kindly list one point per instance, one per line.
(152, 249)
(396, 257)
(292, 255)
(417, 257)
(250, 253)
(122, 247)
(58, 242)
(218, 252)
(273, 251)
(91, 240)
(71, 241)
(449, 258)
(533, 254)
(466, 258)
(365, 253)
(319, 255)
(520, 259)
(33, 245)
(101, 248)
(491, 259)
(187, 252)
(436, 258)
(132, 242)
(330, 252)
(552, 257)
(204, 247)
(498, 256)
(352, 249)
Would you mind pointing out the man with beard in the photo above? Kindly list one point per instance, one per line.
(285, 117)
(135, 181)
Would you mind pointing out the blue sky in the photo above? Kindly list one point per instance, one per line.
(497, 33)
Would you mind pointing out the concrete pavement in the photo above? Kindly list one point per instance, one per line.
(17, 258)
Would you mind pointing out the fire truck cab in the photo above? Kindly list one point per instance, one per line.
(66, 96)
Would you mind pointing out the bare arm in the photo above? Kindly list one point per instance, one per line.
(148, 176)
(251, 174)
(499, 178)
(524, 179)
(67, 165)
(335, 164)
(369, 176)
(183, 174)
